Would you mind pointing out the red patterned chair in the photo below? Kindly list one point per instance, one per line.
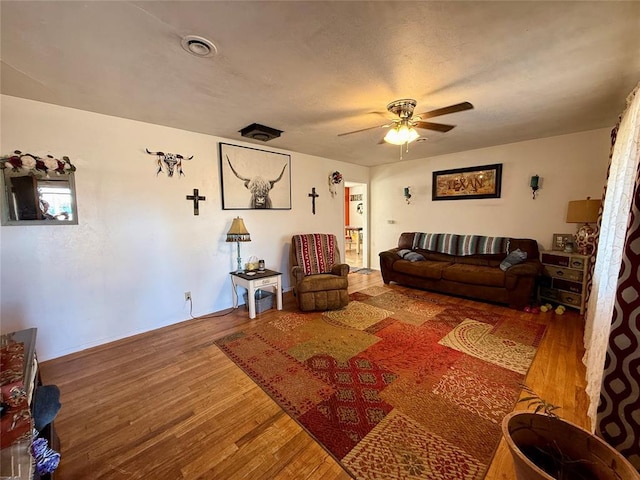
(319, 281)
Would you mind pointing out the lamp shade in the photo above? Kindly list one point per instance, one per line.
(401, 135)
(583, 211)
(238, 232)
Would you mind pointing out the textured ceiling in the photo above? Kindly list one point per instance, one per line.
(317, 69)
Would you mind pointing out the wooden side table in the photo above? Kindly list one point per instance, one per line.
(252, 281)
(564, 278)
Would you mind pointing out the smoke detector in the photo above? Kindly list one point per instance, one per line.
(199, 46)
(260, 132)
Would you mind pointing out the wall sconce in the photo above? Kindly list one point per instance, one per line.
(407, 194)
(535, 185)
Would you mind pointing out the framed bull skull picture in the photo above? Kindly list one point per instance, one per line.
(254, 179)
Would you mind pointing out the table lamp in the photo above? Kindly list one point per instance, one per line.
(238, 233)
(584, 212)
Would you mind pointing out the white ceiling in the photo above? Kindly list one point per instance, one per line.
(317, 69)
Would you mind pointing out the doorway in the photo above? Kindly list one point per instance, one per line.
(355, 225)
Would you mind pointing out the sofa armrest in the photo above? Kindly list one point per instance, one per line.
(297, 273)
(389, 257)
(531, 268)
(341, 269)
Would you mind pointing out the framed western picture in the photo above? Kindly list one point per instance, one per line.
(254, 179)
(467, 183)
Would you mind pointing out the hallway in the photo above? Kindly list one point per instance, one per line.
(351, 255)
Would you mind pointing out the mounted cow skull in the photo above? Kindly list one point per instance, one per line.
(259, 187)
(171, 160)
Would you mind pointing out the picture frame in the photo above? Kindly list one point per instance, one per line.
(483, 181)
(559, 240)
(254, 179)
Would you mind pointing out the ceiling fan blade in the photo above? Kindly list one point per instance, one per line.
(458, 107)
(365, 129)
(438, 127)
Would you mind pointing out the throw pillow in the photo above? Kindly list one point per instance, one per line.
(403, 252)
(414, 257)
(514, 258)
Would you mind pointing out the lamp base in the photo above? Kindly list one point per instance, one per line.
(586, 239)
(240, 269)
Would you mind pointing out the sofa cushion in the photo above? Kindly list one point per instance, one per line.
(322, 281)
(437, 242)
(474, 275)
(436, 257)
(406, 240)
(461, 245)
(526, 245)
(424, 269)
(481, 245)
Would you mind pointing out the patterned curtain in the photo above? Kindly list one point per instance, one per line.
(619, 409)
(614, 135)
(611, 326)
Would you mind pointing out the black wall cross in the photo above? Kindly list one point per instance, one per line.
(196, 198)
(313, 196)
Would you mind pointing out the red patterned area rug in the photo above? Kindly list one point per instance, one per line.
(400, 384)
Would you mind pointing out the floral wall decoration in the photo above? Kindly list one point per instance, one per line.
(334, 179)
(28, 164)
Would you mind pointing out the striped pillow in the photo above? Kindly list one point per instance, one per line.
(315, 252)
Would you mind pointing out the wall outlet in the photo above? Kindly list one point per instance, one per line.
(187, 296)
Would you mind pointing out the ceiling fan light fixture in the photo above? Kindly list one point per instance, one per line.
(401, 135)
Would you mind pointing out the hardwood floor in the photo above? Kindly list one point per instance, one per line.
(169, 404)
(352, 257)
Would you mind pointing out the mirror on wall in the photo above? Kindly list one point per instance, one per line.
(44, 196)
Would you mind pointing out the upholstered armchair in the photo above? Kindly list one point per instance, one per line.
(319, 281)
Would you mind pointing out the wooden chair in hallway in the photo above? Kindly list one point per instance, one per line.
(348, 240)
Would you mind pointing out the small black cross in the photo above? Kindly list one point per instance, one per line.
(196, 198)
(313, 196)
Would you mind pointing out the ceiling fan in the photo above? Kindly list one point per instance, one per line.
(402, 129)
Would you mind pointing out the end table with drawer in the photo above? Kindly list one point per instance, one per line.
(254, 280)
(564, 278)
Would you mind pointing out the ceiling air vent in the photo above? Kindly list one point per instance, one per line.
(198, 46)
(260, 132)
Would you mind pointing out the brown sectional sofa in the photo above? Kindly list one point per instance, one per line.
(476, 276)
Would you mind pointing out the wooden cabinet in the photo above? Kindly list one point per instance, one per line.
(564, 279)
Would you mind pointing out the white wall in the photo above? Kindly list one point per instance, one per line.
(571, 167)
(138, 247)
